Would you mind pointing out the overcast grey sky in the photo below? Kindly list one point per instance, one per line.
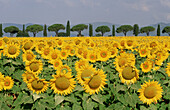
(142, 12)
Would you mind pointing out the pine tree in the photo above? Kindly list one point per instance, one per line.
(45, 31)
(158, 30)
(90, 30)
(136, 30)
(113, 30)
(68, 28)
(1, 30)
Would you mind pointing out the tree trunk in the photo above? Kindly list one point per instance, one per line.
(34, 33)
(56, 33)
(79, 33)
(124, 33)
(11, 35)
(169, 33)
(102, 33)
(147, 33)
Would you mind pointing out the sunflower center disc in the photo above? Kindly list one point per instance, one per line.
(143, 52)
(56, 64)
(103, 54)
(7, 82)
(62, 83)
(29, 76)
(27, 46)
(129, 43)
(34, 67)
(95, 82)
(12, 50)
(63, 54)
(54, 56)
(86, 73)
(150, 92)
(72, 51)
(29, 57)
(128, 73)
(40, 46)
(46, 52)
(122, 62)
(145, 66)
(37, 85)
(6, 40)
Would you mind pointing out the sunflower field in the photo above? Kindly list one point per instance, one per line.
(85, 73)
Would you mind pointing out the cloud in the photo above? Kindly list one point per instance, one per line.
(165, 3)
(168, 17)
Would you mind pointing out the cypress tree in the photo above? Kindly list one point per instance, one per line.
(113, 30)
(68, 28)
(90, 30)
(136, 30)
(45, 31)
(158, 30)
(1, 30)
(23, 30)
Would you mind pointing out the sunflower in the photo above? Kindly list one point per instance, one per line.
(123, 59)
(130, 44)
(27, 45)
(63, 54)
(77, 42)
(2, 44)
(12, 50)
(103, 54)
(168, 69)
(6, 40)
(28, 76)
(143, 52)
(129, 74)
(28, 56)
(86, 71)
(39, 46)
(64, 69)
(92, 56)
(57, 63)
(79, 51)
(54, 54)
(95, 83)
(60, 43)
(72, 51)
(80, 63)
(146, 66)
(62, 83)
(1, 81)
(37, 85)
(113, 51)
(46, 51)
(34, 66)
(8, 83)
(150, 92)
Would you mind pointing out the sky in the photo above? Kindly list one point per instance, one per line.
(142, 12)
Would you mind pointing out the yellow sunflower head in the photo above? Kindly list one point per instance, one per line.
(92, 56)
(86, 71)
(150, 92)
(54, 54)
(95, 83)
(62, 83)
(12, 50)
(1, 81)
(146, 66)
(2, 44)
(34, 66)
(63, 54)
(28, 56)
(129, 74)
(28, 76)
(63, 69)
(39, 46)
(168, 69)
(80, 63)
(46, 52)
(27, 45)
(37, 85)
(57, 63)
(103, 54)
(8, 83)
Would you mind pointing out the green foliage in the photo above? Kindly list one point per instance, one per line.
(62, 34)
(35, 28)
(166, 30)
(135, 29)
(79, 28)
(124, 29)
(90, 30)
(158, 30)
(68, 28)
(113, 30)
(23, 30)
(147, 29)
(1, 33)
(103, 29)
(22, 34)
(12, 30)
(45, 31)
(56, 28)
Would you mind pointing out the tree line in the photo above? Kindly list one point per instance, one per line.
(35, 28)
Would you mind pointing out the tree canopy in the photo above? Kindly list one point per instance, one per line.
(147, 30)
(135, 29)
(103, 29)
(56, 28)
(35, 28)
(124, 29)
(79, 28)
(12, 30)
(1, 33)
(68, 28)
(166, 30)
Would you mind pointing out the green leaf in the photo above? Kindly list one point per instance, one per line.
(131, 99)
(88, 105)
(58, 99)
(111, 107)
(98, 98)
(152, 107)
(76, 107)
(120, 88)
(9, 70)
(36, 96)
(4, 107)
(27, 99)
